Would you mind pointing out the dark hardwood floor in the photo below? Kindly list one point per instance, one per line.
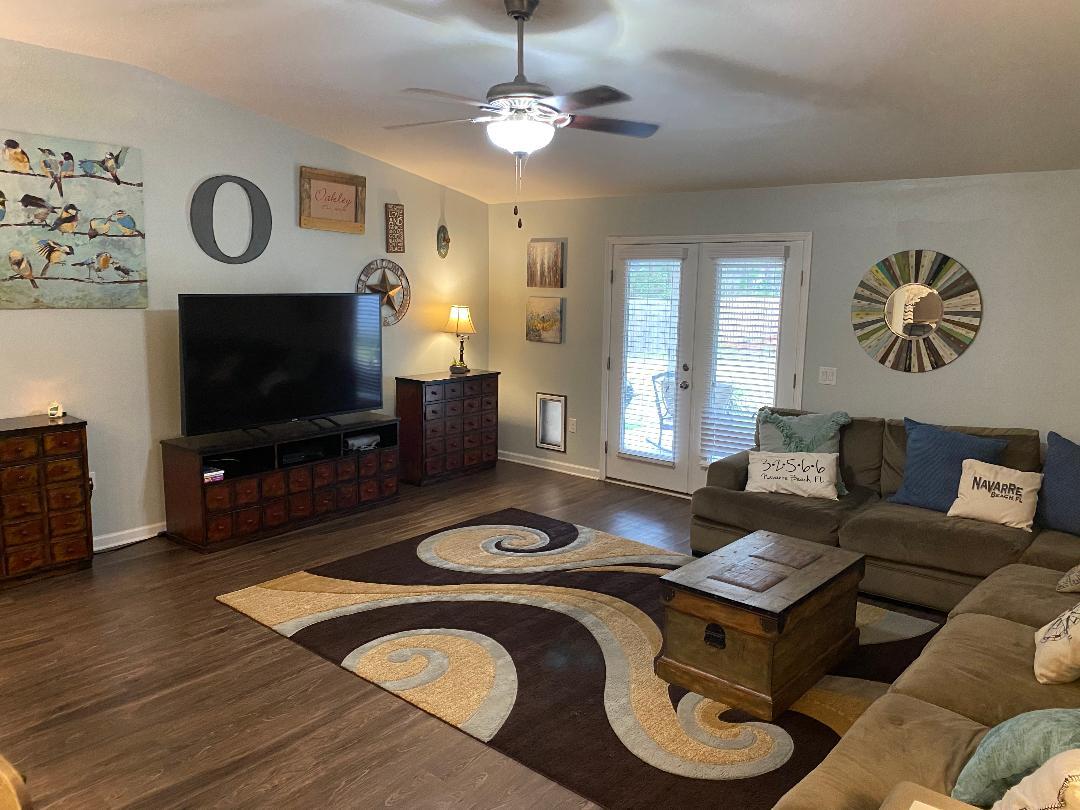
(129, 686)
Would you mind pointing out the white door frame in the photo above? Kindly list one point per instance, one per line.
(805, 237)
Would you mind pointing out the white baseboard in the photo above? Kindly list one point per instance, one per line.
(104, 542)
(550, 464)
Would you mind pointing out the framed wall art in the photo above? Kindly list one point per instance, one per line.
(71, 224)
(544, 320)
(545, 263)
(551, 422)
(395, 228)
(332, 201)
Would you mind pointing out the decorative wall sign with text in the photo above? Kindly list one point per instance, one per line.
(916, 310)
(332, 201)
(202, 219)
(71, 216)
(386, 278)
(395, 228)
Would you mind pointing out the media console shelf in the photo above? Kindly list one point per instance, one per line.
(277, 478)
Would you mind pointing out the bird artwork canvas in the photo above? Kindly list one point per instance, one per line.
(71, 216)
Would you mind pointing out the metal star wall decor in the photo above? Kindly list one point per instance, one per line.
(387, 279)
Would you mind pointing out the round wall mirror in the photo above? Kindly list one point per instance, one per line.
(916, 310)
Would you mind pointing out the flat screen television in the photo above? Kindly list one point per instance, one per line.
(249, 360)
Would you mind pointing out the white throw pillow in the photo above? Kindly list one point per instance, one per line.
(1070, 583)
(1057, 649)
(1056, 783)
(811, 475)
(997, 494)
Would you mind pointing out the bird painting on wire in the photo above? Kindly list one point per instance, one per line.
(110, 164)
(15, 158)
(67, 220)
(54, 253)
(3, 206)
(100, 262)
(125, 223)
(50, 165)
(22, 267)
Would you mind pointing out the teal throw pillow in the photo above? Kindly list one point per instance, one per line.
(808, 433)
(1012, 750)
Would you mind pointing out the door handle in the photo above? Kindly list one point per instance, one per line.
(684, 385)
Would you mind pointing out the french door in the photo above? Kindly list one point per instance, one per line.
(701, 336)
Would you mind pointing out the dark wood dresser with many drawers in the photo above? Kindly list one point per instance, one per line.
(44, 496)
(449, 424)
(277, 478)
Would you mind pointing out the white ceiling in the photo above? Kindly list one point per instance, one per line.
(748, 92)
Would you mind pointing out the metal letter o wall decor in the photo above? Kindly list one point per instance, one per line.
(202, 219)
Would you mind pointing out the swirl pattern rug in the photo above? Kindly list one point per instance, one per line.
(537, 637)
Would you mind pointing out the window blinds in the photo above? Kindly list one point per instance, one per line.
(650, 349)
(743, 347)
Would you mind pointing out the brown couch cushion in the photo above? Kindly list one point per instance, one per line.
(809, 518)
(897, 739)
(860, 449)
(1020, 593)
(909, 534)
(1023, 451)
(1051, 549)
(982, 667)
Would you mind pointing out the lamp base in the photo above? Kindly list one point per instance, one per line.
(456, 369)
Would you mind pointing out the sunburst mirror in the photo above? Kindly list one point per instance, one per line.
(916, 310)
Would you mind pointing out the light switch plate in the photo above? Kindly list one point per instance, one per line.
(572, 424)
(826, 375)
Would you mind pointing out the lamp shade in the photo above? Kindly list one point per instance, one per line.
(460, 321)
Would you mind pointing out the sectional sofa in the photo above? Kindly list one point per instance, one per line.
(913, 555)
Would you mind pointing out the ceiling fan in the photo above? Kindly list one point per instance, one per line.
(521, 116)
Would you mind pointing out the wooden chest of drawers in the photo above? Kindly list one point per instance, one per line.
(45, 520)
(449, 424)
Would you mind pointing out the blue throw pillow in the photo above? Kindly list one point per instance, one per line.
(935, 463)
(1012, 750)
(1059, 506)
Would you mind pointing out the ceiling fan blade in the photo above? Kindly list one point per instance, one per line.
(614, 126)
(430, 123)
(584, 99)
(439, 95)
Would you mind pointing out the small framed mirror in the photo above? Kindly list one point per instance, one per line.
(551, 422)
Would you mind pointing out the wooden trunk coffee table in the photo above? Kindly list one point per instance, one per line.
(758, 622)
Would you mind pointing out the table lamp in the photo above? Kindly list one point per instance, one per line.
(460, 323)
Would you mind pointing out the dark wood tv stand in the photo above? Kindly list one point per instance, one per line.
(278, 478)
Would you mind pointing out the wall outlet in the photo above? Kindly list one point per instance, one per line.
(826, 375)
(93, 481)
(572, 424)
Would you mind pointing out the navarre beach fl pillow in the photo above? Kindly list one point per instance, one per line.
(1054, 785)
(806, 433)
(1057, 649)
(1059, 508)
(811, 475)
(935, 462)
(997, 494)
(1012, 750)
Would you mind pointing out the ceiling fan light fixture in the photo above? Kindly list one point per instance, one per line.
(520, 136)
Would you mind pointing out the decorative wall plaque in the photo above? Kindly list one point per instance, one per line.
(332, 201)
(916, 310)
(395, 228)
(442, 241)
(386, 278)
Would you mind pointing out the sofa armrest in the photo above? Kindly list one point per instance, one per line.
(730, 472)
(905, 795)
